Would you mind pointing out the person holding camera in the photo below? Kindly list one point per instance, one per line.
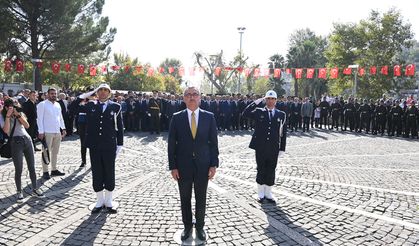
(14, 123)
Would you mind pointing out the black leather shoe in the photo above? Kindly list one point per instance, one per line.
(46, 176)
(200, 233)
(83, 164)
(37, 149)
(56, 173)
(270, 200)
(186, 233)
(96, 210)
(110, 210)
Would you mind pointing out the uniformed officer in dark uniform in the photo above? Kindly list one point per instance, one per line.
(324, 112)
(381, 114)
(357, 116)
(336, 112)
(268, 140)
(154, 109)
(396, 113)
(104, 138)
(412, 115)
(349, 112)
(365, 114)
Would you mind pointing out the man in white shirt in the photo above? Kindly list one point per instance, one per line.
(50, 124)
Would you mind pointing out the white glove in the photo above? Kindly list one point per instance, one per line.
(281, 154)
(87, 94)
(159, 114)
(149, 114)
(258, 101)
(118, 149)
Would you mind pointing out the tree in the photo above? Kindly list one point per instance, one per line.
(306, 51)
(375, 41)
(209, 65)
(261, 86)
(57, 29)
(175, 64)
(276, 61)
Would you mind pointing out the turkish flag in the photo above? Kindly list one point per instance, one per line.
(161, 69)
(277, 73)
(68, 67)
(384, 70)
(410, 70)
(55, 66)
(217, 71)
(19, 66)
(192, 71)
(247, 72)
(322, 73)
(288, 70)
(7, 65)
(256, 72)
(228, 68)
(373, 70)
(138, 69)
(39, 65)
(181, 71)
(361, 71)
(266, 72)
(310, 73)
(397, 70)
(127, 68)
(171, 69)
(104, 69)
(92, 70)
(298, 73)
(334, 73)
(239, 69)
(150, 71)
(80, 69)
(115, 67)
(347, 71)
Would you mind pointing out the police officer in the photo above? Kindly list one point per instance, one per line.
(268, 140)
(349, 112)
(104, 138)
(365, 114)
(336, 112)
(381, 113)
(324, 111)
(396, 113)
(412, 115)
(154, 108)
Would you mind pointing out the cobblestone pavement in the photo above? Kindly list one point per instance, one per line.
(332, 188)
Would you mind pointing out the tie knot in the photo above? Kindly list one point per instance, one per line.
(193, 113)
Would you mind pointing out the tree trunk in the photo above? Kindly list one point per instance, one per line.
(296, 87)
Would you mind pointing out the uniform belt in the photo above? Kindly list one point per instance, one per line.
(82, 113)
(349, 110)
(295, 112)
(364, 112)
(324, 107)
(396, 114)
(154, 107)
(411, 114)
(380, 113)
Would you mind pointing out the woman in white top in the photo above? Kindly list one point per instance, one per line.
(21, 144)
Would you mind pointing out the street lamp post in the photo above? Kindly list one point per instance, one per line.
(34, 62)
(355, 79)
(241, 31)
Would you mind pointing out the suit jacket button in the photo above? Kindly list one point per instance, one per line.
(100, 122)
(269, 133)
(100, 134)
(267, 139)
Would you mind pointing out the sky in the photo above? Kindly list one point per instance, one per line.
(153, 30)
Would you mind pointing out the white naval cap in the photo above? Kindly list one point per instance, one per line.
(106, 86)
(271, 93)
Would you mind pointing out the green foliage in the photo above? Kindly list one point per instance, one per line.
(375, 41)
(56, 30)
(306, 50)
(176, 64)
(261, 86)
(276, 61)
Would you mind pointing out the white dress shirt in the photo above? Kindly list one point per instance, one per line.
(190, 117)
(50, 119)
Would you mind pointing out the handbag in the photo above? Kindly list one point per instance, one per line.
(6, 149)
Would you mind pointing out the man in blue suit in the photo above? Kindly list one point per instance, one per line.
(104, 138)
(193, 158)
(268, 141)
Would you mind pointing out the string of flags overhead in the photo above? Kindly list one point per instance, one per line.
(298, 73)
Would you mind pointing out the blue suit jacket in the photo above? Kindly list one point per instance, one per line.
(183, 149)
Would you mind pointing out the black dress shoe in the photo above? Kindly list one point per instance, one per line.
(270, 200)
(200, 233)
(186, 233)
(56, 173)
(83, 164)
(110, 210)
(96, 210)
(46, 176)
(37, 149)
